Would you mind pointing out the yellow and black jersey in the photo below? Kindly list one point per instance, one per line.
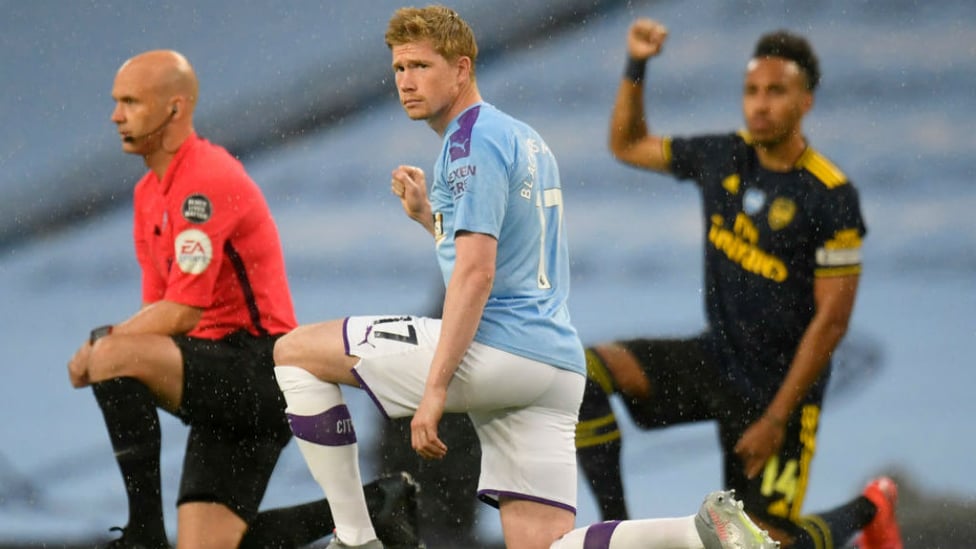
(767, 236)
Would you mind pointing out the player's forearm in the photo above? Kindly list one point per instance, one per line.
(426, 220)
(161, 317)
(464, 303)
(834, 300)
(630, 140)
(811, 358)
(628, 125)
(417, 207)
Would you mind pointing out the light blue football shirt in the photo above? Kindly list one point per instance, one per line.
(496, 176)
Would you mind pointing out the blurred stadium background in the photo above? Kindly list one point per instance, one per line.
(301, 91)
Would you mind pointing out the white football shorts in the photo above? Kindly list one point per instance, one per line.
(523, 410)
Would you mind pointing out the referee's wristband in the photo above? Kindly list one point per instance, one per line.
(635, 70)
(99, 333)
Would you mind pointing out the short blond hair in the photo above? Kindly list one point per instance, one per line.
(448, 34)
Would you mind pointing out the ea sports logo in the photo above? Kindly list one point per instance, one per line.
(193, 251)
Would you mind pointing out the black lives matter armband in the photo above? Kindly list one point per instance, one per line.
(635, 70)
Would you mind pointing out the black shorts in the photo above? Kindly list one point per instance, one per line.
(235, 411)
(687, 385)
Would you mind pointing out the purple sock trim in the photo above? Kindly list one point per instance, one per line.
(332, 427)
(598, 535)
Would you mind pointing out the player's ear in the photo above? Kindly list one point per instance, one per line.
(807, 102)
(178, 106)
(465, 68)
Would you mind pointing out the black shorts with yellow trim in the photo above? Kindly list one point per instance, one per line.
(687, 385)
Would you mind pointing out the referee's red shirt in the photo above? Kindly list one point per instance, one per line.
(204, 237)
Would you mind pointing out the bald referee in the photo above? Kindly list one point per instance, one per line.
(215, 298)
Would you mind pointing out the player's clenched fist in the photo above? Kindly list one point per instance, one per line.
(410, 185)
(645, 38)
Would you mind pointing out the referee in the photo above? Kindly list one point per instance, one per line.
(215, 298)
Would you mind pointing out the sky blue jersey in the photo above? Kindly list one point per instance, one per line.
(495, 175)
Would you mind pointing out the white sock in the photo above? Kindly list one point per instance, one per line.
(665, 533)
(323, 429)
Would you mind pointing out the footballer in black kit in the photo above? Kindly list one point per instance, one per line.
(767, 236)
(782, 230)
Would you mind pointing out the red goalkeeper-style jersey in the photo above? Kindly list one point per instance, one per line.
(204, 237)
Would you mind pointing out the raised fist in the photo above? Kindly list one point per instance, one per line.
(645, 38)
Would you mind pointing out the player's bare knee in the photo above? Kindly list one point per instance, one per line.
(288, 349)
(314, 347)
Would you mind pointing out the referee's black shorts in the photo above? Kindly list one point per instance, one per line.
(235, 411)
